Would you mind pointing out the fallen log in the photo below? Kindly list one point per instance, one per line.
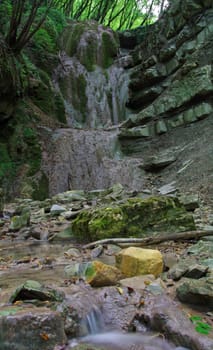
(178, 236)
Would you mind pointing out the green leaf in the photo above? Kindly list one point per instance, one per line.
(195, 318)
(200, 326)
(204, 325)
(202, 330)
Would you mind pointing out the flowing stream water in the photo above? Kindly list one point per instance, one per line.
(99, 335)
(94, 331)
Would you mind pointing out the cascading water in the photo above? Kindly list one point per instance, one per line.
(93, 81)
(94, 86)
(94, 323)
(97, 334)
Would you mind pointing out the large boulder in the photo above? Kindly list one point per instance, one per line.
(134, 217)
(135, 261)
(30, 328)
(196, 291)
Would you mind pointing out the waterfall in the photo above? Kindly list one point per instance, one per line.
(91, 79)
(95, 332)
(94, 322)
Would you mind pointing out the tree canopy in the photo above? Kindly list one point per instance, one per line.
(20, 20)
(118, 14)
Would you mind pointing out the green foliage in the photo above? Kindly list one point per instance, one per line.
(200, 326)
(43, 41)
(25, 148)
(5, 14)
(7, 166)
(118, 14)
(58, 19)
(26, 70)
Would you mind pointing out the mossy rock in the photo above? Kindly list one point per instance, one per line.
(17, 222)
(73, 87)
(134, 217)
(31, 290)
(92, 44)
(47, 98)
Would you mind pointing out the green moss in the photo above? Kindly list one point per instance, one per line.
(91, 54)
(7, 166)
(47, 99)
(79, 97)
(110, 49)
(74, 90)
(24, 147)
(33, 150)
(72, 36)
(135, 217)
(59, 108)
(10, 310)
(107, 221)
(89, 57)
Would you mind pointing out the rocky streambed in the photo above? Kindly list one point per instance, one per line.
(58, 294)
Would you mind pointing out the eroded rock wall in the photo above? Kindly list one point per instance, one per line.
(167, 138)
(170, 97)
(171, 81)
(87, 159)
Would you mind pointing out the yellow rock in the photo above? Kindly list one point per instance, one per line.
(135, 261)
(100, 275)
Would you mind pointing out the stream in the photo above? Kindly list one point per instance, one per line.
(117, 340)
(44, 262)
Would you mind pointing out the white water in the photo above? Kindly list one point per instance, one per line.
(116, 340)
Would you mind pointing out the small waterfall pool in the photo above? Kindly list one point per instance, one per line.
(100, 335)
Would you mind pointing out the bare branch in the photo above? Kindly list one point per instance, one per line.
(180, 236)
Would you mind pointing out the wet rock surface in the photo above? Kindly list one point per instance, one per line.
(31, 328)
(44, 257)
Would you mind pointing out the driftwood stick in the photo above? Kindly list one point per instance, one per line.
(152, 240)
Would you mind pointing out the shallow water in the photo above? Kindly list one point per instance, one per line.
(21, 261)
(116, 340)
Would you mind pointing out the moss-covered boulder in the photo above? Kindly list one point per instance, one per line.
(91, 43)
(33, 290)
(134, 217)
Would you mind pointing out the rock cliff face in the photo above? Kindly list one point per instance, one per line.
(87, 159)
(164, 133)
(170, 95)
